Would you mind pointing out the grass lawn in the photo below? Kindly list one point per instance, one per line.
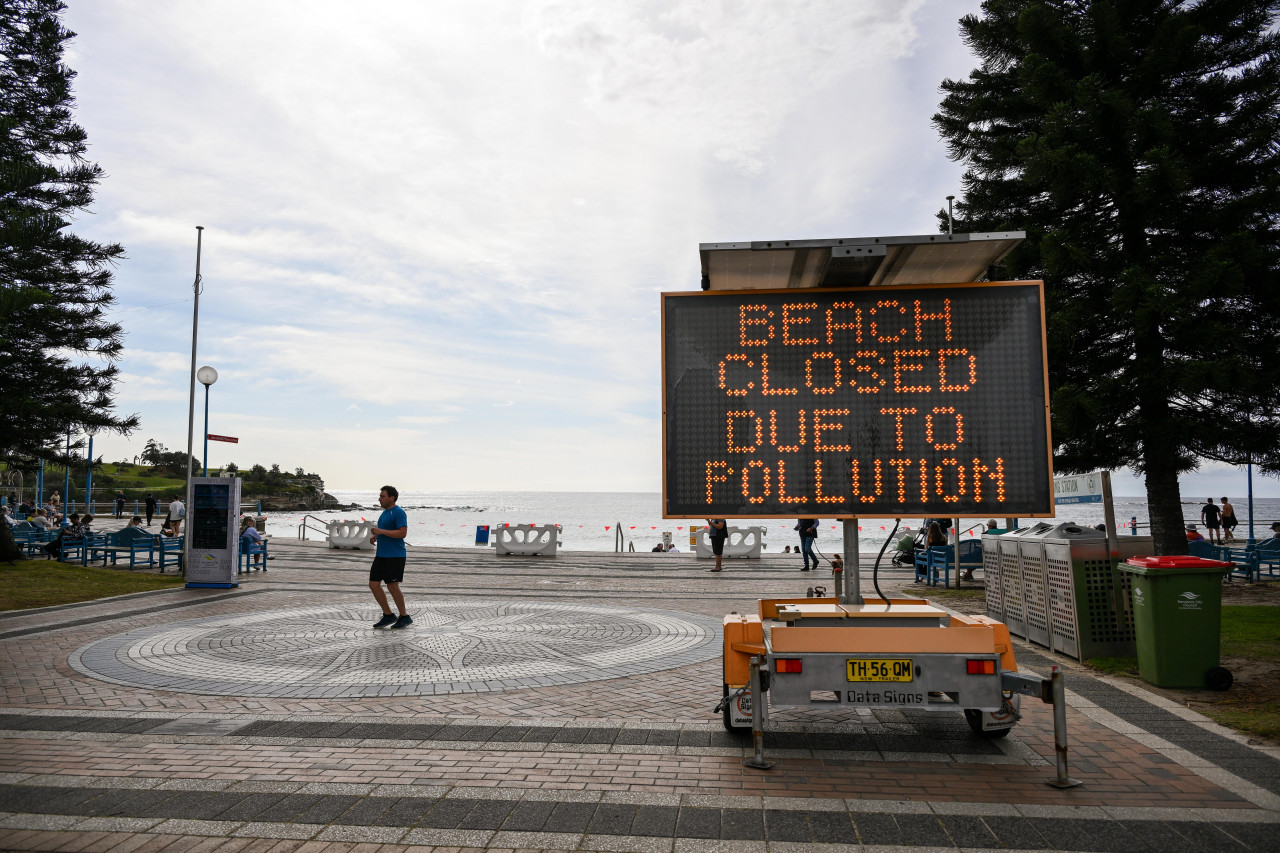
(41, 583)
(1250, 636)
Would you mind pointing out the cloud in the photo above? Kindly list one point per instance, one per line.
(453, 221)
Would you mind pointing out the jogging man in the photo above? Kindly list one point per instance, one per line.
(388, 564)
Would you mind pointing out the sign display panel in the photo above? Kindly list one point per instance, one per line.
(887, 401)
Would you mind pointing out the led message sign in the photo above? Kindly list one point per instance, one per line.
(885, 401)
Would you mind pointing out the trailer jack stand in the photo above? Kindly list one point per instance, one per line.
(1063, 779)
(757, 719)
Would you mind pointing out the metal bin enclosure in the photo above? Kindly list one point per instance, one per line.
(1091, 612)
(1055, 586)
(1012, 610)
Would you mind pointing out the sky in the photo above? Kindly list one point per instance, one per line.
(435, 234)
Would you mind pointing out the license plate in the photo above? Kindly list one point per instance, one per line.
(877, 669)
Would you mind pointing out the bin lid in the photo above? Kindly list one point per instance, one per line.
(1176, 562)
(1071, 530)
(1034, 530)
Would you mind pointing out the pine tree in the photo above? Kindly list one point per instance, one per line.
(54, 286)
(1138, 144)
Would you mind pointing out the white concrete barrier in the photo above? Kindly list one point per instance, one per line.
(527, 540)
(743, 543)
(350, 534)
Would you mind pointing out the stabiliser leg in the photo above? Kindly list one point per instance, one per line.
(757, 719)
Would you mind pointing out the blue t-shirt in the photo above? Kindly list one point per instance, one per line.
(391, 519)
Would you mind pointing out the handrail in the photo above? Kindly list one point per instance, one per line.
(619, 540)
(303, 527)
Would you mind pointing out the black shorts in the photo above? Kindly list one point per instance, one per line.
(1229, 522)
(717, 545)
(1212, 525)
(387, 569)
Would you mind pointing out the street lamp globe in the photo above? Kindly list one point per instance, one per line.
(207, 376)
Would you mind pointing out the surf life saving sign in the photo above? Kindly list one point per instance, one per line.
(1078, 489)
(884, 401)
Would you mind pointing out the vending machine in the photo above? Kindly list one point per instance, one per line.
(213, 547)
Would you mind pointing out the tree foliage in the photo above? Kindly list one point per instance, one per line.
(1138, 144)
(55, 287)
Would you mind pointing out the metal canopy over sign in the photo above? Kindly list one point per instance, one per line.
(892, 401)
(853, 261)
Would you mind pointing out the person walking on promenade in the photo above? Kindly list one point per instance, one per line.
(150, 504)
(808, 528)
(1211, 515)
(1229, 520)
(176, 513)
(119, 504)
(388, 562)
(718, 533)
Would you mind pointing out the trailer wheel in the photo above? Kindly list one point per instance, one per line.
(974, 718)
(725, 718)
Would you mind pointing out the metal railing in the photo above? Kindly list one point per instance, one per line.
(303, 527)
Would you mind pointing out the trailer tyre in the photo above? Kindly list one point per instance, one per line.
(974, 718)
(725, 717)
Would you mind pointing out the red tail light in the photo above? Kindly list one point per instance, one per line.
(788, 665)
(980, 667)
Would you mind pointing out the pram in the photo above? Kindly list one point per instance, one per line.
(905, 555)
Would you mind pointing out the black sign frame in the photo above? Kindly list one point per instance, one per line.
(979, 447)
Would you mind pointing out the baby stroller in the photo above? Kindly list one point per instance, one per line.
(905, 555)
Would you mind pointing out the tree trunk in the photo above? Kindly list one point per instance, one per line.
(1164, 503)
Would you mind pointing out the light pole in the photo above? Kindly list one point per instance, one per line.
(196, 287)
(88, 477)
(66, 482)
(207, 376)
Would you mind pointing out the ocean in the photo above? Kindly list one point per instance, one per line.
(592, 521)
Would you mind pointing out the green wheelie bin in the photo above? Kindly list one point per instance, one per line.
(1177, 620)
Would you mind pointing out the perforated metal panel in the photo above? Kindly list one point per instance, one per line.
(1035, 599)
(1011, 581)
(1063, 635)
(993, 575)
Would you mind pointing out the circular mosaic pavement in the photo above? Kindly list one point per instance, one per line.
(464, 646)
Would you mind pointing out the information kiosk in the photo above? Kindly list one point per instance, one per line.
(213, 530)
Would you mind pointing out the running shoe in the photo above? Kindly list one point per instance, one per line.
(403, 622)
(386, 620)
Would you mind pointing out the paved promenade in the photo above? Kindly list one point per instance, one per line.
(554, 704)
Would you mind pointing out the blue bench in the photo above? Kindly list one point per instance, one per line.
(170, 549)
(73, 548)
(1253, 560)
(131, 540)
(249, 549)
(940, 561)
